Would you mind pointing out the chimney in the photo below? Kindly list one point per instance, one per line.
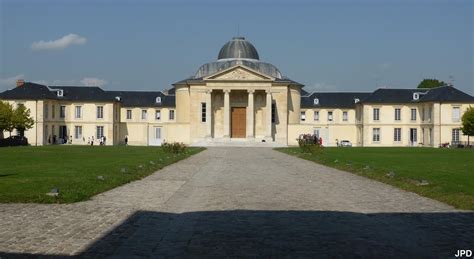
(20, 82)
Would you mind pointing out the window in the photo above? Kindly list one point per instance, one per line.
(376, 134)
(416, 96)
(158, 99)
(345, 116)
(78, 113)
(430, 111)
(413, 114)
(316, 132)
(316, 115)
(100, 132)
(273, 112)
(62, 111)
(100, 112)
(303, 115)
(46, 111)
(129, 114)
(330, 117)
(144, 114)
(203, 112)
(157, 133)
(398, 114)
(376, 114)
(60, 93)
(46, 133)
(53, 111)
(78, 132)
(158, 115)
(456, 114)
(397, 134)
(423, 114)
(455, 136)
(171, 114)
(315, 101)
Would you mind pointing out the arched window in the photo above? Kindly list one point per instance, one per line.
(158, 99)
(315, 101)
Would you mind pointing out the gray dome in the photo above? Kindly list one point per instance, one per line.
(219, 65)
(238, 47)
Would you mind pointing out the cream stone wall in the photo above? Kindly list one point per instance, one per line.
(35, 134)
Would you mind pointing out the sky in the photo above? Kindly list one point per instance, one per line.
(149, 45)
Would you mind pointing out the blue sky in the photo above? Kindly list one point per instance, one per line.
(148, 45)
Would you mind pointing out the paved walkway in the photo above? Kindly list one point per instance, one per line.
(241, 202)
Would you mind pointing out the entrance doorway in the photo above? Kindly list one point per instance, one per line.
(238, 122)
(155, 137)
(62, 134)
(413, 136)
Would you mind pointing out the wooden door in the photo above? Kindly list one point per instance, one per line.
(238, 122)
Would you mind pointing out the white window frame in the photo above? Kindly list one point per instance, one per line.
(345, 116)
(78, 112)
(77, 132)
(303, 115)
(171, 115)
(456, 117)
(455, 135)
(398, 114)
(157, 132)
(99, 130)
(376, 114)
(413, 114)
(397, 134)
(100, 112)
(144, 114)
(128, 114)
(376, 134)
(316, 115)
(330, 116)
(157, 115)
(53, 111)
(46, 111)
(62, 111)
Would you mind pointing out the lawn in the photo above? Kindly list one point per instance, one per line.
(446, 175)
(80, 172)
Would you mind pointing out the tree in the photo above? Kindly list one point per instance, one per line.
(431, 83)
(21, 119)
(6, 114)
(468, 123)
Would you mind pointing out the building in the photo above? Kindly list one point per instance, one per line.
(240, 99)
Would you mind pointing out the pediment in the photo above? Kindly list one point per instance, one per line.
(240, 73)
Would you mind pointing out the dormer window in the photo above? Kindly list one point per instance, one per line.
(315, 101)
(118, 98)
(356, 100)
(60, 93)
(416, 96)
(158, 99)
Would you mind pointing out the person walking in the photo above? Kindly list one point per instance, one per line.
(126, 140)
(92, 141)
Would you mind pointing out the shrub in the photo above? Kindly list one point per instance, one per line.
(310, 144)
(174, 147)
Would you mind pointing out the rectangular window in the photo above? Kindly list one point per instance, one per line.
(397, 134)
(430, 111)
(423, 114)
(398, 114)
(376, 134)
(157, 115)
(171, 114)
(100, 132)
(46, 111)
(376, 114)
(345, 116)
(273, 112)
(100, 112)
(53, 111)
(144, 114)
(78, 132)
(157, 133)
(303, 115)
(330, 116)
(203, 112)
(129, 114)
(455, 136)
(456, 114)
(316, 132)
(46, 133)
(413, 114)
(78, 112)
(62, 111)
(316, 115)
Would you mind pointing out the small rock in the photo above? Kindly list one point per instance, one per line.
(54, 192)
(100, 177)
(423, 182)
(390, 174)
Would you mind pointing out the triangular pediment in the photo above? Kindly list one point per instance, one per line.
(239, 73)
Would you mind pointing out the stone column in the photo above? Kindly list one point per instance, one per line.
(268, 116)
(250, 115)
(208, 114)
(226, 113)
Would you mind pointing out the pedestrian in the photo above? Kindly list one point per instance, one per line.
(105, 139)
(126, 140)
(92, 141)
(337, 142)
(320, 141)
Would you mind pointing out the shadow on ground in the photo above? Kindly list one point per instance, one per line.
(286, 233)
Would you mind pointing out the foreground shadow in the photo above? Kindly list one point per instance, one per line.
(244, 233)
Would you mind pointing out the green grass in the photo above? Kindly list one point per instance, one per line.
(449, 172)
(28, 173)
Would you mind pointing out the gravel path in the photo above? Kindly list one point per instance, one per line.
(241, 202)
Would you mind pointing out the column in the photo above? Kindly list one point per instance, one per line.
(250, 115)
(268, 116)
(226, 113)
(209, 114)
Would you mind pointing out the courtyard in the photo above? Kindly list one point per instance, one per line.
(241, 202)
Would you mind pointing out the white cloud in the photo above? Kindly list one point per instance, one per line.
(10, 82)
(92, 81)
(64, 42)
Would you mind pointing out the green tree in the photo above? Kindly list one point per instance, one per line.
(6, 114)
(21, 119)
(468, 123)
(431, 83)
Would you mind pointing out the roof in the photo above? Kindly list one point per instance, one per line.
(345, 100)
(28, 91)
(82, 93)
(238, 47)
(143, 99)
(438, 94)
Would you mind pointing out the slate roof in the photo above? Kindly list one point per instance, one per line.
(344, 100)
(28, 91)
(439, 94)
(447, 94)
(143, 99)
(82, 93)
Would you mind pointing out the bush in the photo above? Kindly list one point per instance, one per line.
(174, 148)
(310, 144)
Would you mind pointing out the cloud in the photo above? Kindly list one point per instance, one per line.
(10, 82)
(62, 43)
(92, 81)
